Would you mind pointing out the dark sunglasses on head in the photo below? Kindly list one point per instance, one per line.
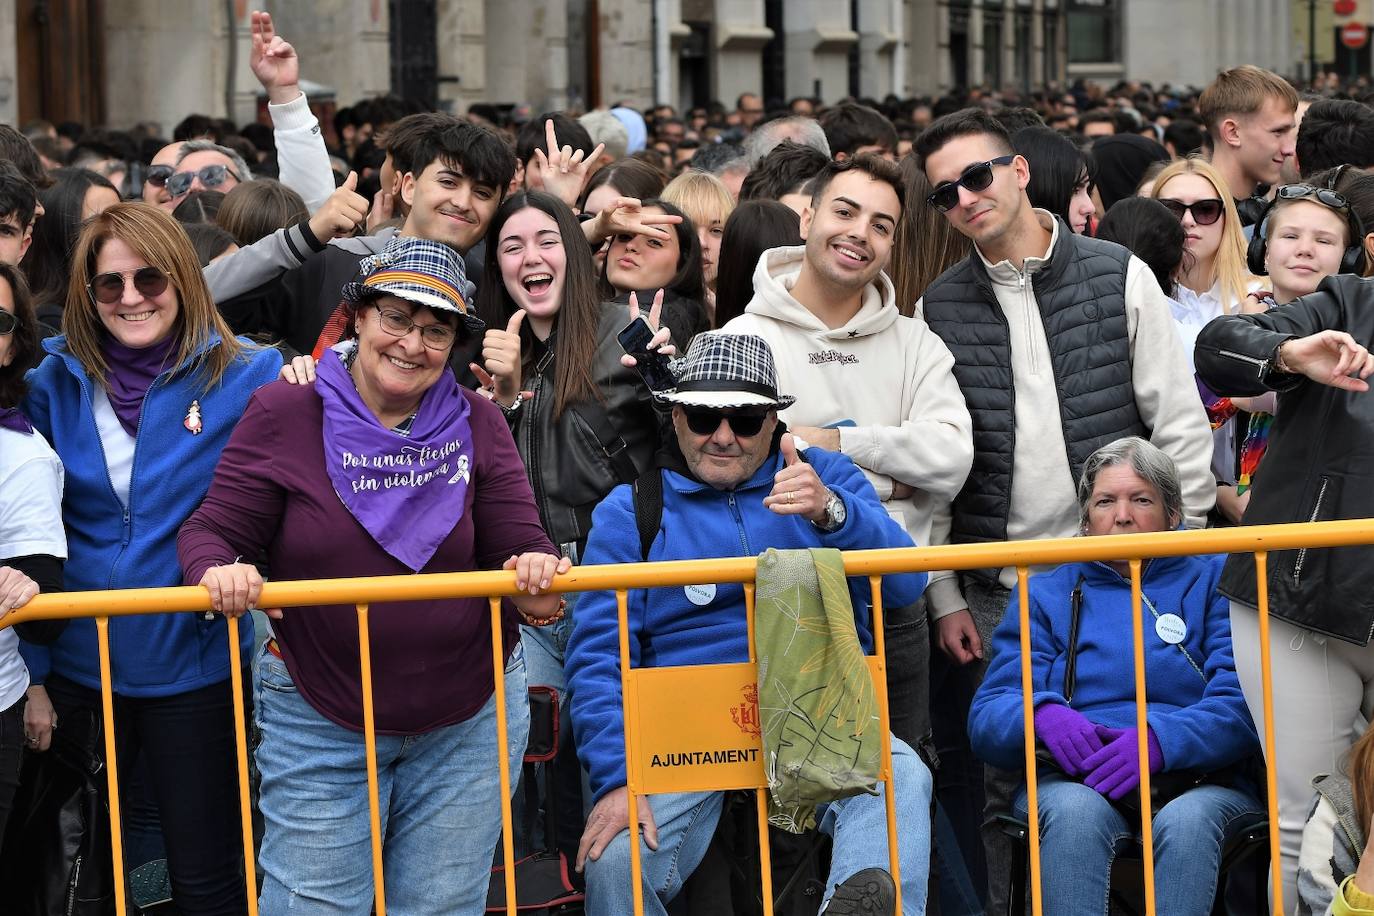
(212, 176)
(157, 175)
(706, 422)
(7, 322)
(976, 178)
(1327, 198)
(1205, 212)
(108, 288)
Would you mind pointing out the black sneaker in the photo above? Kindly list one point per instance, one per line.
(869, 892)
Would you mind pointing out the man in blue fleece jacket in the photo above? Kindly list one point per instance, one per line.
(734, 485)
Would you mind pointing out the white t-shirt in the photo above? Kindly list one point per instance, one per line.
(30, 523)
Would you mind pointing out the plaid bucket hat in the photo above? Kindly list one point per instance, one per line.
(420, 271)
(727, 371)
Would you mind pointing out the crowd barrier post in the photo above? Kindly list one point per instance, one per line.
(1270, 747)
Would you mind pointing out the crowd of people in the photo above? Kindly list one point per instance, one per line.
(246, 355)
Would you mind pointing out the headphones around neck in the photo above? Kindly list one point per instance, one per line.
(1352, 261)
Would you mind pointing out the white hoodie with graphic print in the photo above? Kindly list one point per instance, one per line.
(888, 375)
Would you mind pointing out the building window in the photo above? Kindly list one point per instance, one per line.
(992, 48)
(1049, 26)
(1094, 31)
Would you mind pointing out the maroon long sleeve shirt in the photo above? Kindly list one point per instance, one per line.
(431, 660)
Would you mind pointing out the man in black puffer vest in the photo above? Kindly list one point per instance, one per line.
(1061, 344)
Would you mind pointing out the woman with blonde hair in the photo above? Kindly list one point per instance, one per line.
(1212, 281)
(708, 204)
(138, 398)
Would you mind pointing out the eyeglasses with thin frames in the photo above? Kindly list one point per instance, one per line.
(399, 324)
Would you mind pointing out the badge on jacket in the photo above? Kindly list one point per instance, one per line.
(192, 421)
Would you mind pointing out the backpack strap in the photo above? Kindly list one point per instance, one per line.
(612, 444)
(648, 496)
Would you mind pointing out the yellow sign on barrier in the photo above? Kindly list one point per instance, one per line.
(712, 740)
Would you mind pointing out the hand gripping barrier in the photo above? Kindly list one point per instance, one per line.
(646, 690)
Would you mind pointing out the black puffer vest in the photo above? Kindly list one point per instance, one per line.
(1081, 292)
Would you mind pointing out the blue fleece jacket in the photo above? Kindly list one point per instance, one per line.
(668, 627)
(112, 547)
(1197, 713)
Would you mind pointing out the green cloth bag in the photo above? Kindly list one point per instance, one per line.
(821, 729)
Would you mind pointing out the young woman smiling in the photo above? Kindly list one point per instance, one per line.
(583, 423)
(644, 264)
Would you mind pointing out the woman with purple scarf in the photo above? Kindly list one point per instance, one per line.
(138, 397)
(384, 466)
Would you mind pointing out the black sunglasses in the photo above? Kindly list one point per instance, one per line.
(8, 322)
(706, 422)
(976, 178)
(1324, 196)
(212, 176)
(108, 288)
(157, 175)
(1205, 212)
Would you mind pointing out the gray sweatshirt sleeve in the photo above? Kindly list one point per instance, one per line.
(266, 259)
(1166, 395)
(302, 159)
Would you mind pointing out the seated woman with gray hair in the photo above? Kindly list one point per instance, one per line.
(1082, 667)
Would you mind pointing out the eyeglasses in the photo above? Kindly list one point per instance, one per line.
(108, 288)
(1324, 196)
(7, 322)
(1205, 212)
(976, 178)
(157, 175)
(706, 422)
(212, 176)
(434, 336)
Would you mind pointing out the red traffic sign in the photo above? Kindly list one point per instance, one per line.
(1354, 34)
(1343, 7)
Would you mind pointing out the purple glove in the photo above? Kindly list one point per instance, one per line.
(1114, 771)
(1069, 735)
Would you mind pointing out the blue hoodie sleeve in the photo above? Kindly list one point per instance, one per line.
(1217, 730)
(593, 657)
(867, 526)
(995, 722)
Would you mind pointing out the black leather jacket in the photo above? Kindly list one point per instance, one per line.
(574, 460)
(1319, 464)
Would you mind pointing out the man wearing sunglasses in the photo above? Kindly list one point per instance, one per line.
(881, 386)
(1061, 343)
(203, 165)
(733, 483)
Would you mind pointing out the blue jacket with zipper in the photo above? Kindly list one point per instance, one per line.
(1194, 702)
(111, 546)
(704, 624)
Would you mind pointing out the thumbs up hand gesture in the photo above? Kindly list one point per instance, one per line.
(501, 356)
(797, 490)
(341, 212)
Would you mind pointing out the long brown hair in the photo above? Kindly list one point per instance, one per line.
(23, 339)
(925, 245)
(575, 340)
(1359, 766)
(158, 239)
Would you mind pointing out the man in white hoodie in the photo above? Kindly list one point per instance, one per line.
(1061, 344)
(879, 385)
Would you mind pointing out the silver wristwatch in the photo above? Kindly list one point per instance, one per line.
(834, 513)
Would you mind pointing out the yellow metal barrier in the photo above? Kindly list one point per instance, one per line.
(1260, 540)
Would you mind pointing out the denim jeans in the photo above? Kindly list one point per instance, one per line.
(439, 795)
(1081, 834)
(858, 825)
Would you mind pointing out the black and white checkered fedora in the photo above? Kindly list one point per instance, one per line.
(727, 371)
(420, 271)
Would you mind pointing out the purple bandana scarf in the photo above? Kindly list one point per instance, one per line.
(11, 418)
(130, 374)
(408, 492)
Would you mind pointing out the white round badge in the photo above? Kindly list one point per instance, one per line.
(1171, 628)
(701, 595)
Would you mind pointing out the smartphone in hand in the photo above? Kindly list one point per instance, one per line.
(652, 365)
